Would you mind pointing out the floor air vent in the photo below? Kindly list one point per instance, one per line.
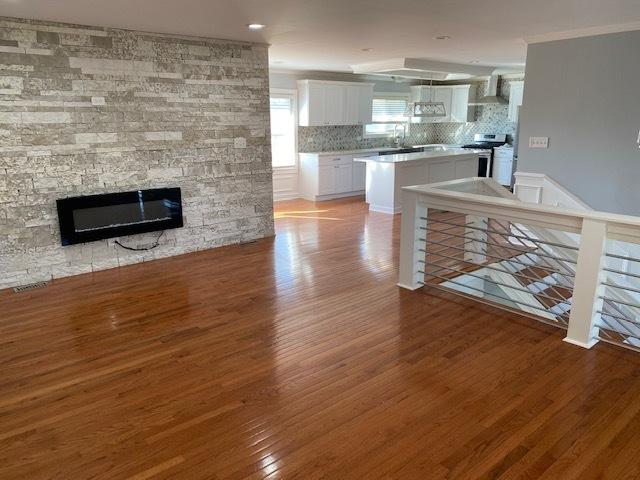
(31, 286)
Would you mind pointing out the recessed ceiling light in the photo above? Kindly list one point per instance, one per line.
(255, 26)
(366, 49)
(442, 37)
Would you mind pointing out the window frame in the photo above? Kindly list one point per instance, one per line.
(386, 95)
(294, 95)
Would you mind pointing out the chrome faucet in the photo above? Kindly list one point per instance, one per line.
(396, 137)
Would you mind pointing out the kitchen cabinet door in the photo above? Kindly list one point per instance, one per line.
(342, 178)
(365, 104)
(443, 95)
(352, 105)
(326, 180)
(516, 93)
(502, 171)
(334, 108)
(316, 105)
(460, 104)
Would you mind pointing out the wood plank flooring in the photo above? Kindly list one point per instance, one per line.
(299, 358)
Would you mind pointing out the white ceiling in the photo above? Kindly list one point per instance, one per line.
(330, 34)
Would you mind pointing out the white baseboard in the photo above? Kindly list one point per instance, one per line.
(280, 196)
(322, 198)
(407, 287)
(388, 210)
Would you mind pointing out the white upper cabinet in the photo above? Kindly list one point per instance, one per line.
(365, 100)
(313, 107)
(516, 91)
(334, 103)
(351, 105)
(460, 112)
(454, 97)
(433, 94)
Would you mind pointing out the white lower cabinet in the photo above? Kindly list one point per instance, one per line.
(334, 179)
(326, 183)
(503, 165)
(324, 177)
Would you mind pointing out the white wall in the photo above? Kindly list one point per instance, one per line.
(583, 94)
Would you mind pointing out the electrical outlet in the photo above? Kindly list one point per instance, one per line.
(538, 142)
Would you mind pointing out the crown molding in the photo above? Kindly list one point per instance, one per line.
(583, 32)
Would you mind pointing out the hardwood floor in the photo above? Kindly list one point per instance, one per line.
(298, 358)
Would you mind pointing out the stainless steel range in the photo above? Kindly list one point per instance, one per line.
(486, 141)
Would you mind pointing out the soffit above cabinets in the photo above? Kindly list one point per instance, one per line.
(421, 69)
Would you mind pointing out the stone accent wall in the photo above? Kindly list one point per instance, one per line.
(87, 110)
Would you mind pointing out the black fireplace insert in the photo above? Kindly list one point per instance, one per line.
(96, 217)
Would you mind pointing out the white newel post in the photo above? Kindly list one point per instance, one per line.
(587, 286)
(476, 234)
(410, 243)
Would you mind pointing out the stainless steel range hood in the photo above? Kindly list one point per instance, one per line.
(491, 97)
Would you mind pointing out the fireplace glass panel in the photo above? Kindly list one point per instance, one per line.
(95, 217)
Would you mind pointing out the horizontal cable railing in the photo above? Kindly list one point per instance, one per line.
(575, 269)
(619, 316)
(496, 260)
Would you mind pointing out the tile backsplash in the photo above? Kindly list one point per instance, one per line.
(489, 119)
(351, 137)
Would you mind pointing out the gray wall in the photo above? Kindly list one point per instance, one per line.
(86, 110)
(583, 94)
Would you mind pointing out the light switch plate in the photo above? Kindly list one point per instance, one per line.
(538, 142)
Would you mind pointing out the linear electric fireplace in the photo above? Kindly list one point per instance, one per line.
(95, 217)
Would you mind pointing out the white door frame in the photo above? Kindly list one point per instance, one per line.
(287, 175)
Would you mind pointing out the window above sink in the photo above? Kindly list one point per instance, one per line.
(388, 110)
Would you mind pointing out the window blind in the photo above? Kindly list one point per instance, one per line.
(389, 109)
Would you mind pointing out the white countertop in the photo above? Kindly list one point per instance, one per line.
(418, 156)
(376, 149)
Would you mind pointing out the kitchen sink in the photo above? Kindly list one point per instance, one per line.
(402, 150)
(425, 148)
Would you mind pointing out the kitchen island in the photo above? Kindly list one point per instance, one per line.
(387, 174)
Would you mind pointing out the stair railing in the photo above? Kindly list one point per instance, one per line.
(575, 269)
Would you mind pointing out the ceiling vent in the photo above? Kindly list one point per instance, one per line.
(421, 69)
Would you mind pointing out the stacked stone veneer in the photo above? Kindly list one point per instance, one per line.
(87, 110)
